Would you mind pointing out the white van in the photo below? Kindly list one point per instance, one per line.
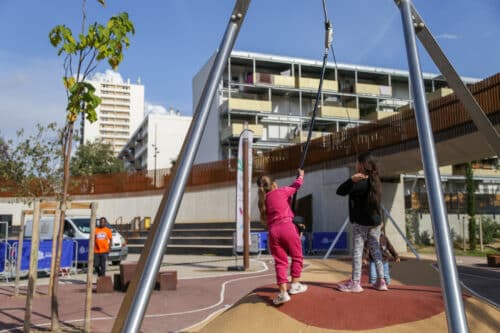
(78, 227)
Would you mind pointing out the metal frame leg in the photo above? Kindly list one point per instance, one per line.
(134, 305)
(410, 245)
(344, 225)
(455, 313)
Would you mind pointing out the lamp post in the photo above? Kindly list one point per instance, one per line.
(155, 154)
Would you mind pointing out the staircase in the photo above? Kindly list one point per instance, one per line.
(194, 238)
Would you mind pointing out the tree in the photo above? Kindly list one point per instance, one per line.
(32, 168)
(95, 158)
(471, 209)
(31, 171)
(82, 54)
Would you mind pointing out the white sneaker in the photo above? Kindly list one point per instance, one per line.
(297, 288)
(281, 298)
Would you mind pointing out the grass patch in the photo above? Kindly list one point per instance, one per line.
(460, 252)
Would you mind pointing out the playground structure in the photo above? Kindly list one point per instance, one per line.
(132, 311)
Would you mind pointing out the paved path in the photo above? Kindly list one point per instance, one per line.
(211, 299)
(484, 283)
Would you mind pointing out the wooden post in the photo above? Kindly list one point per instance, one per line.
(19, 254)
(35, 239)
(90, 267)
(55, 228)
(463, 232)
(481, 234)
(246, 213)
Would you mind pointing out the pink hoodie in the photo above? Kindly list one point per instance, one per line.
(278, 203)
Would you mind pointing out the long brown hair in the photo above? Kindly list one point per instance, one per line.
(264, 184)
(370, 168)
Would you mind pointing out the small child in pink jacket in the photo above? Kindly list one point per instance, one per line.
(284, 240)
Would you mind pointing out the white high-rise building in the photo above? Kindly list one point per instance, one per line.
(120, 113)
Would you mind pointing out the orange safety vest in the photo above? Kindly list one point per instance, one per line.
(103, 237)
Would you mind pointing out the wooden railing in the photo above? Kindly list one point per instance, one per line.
(393, 132)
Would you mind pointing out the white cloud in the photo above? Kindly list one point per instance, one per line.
(153, 108)
(108, 76)
(446, 36)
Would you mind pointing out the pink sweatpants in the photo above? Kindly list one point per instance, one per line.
(284, 241)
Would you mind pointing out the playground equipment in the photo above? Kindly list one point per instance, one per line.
(134, 305)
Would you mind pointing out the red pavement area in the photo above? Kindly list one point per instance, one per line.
(323, 306)
(168, 311)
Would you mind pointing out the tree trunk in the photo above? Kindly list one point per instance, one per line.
(68, 138)
(19, 254)
(90, 267)
(55, 229)
(471, 209)
(35, 240)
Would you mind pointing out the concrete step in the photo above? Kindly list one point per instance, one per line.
(190, 249)
(202, 232)
(201, 241)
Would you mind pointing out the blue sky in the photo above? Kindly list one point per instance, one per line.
(174, 38)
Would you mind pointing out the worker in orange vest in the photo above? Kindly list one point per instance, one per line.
(103, 238)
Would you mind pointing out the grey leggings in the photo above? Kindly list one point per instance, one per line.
(359, 235)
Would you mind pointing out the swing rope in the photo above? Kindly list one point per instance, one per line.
(328, 45)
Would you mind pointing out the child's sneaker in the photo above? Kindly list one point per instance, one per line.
(380, 285)
(297, 288)
(350, 287)
(281, 298)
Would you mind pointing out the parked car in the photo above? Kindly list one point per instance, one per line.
(78, 227)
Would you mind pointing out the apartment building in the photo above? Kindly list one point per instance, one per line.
(157, 141)
(120, 113)
(275, 95)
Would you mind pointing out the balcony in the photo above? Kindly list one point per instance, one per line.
(342, 112)
(313, 84)
(438, 94)
(378, 115)
(235, 129)
(373, 89)
(244, 104)
(302, 137)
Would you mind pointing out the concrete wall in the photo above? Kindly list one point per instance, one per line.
(217, 203)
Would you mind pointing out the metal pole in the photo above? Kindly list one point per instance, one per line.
(336, 238)
(455, 313)
(410, 245)
(246, 215)
(478, 116)
(131, 314)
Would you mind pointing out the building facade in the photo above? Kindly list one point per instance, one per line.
(275, 97)
(120, 113)
(157, 141)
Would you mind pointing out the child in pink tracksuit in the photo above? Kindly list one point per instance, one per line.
(284, 240)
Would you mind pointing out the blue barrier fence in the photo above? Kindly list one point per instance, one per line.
(9, 252)
(321, 241)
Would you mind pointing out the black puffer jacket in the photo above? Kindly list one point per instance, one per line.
(358, 202)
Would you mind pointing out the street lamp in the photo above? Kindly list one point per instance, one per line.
(155, 154)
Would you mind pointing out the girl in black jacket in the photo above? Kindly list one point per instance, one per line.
(365, 193)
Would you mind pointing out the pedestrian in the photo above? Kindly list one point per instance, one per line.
(284, 240)
(365, 194)
(388, 253)
(103, 239)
